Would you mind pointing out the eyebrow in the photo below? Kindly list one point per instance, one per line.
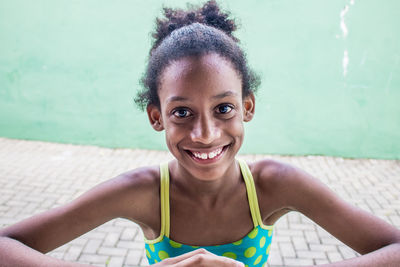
(225, 94)
(175, 99)
(219, 96)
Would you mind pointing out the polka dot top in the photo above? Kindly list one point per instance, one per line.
(252, 250)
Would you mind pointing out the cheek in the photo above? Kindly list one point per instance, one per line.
(236, 125)
(173, 135)
(239, 131)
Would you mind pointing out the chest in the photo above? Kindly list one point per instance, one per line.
(226, 221)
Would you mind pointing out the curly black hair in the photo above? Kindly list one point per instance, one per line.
(193, 32)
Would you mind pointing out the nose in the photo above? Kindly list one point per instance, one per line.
(205, 130)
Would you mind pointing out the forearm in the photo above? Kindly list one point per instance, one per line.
(386, 256)
(15, 254)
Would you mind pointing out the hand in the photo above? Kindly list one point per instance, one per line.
(201, 258)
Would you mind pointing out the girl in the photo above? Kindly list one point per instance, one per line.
(204, 208)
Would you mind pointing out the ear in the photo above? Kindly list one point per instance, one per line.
(249, 105)
(155, 118)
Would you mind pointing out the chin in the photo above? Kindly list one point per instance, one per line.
(208, 169)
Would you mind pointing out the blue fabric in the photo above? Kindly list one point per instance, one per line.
(252, 250)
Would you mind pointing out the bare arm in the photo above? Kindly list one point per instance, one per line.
(24, 243)
(378, 241)
(14, 253)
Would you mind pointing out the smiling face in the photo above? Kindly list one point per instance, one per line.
(202, 111)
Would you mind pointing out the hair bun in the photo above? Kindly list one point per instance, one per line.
(209, 14)
(217, 19)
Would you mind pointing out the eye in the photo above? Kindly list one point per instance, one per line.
(224, 108)
(181, 113)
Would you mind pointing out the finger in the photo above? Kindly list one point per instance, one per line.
(185, 256)
(230, 262)
(208, 260)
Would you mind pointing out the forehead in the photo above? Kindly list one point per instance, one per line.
(206, 74)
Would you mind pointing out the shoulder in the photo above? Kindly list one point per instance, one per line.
(135, 190)
(276, 172)
(293, 188)
(143, 178)
(137, 186)
(285, 183)
(123, 196)
(268, 172)
(139, 181)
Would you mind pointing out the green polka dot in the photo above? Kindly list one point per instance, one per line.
(230, 255)
(155, 261)
(257, 261)
(174, 244)
(246, 265)
(269, 232)
(195, 246)
(253, 233)
(163, 255)
(264, 265)
(238, 242)
(250, 252)
(151, 246)
(262, 241)
(268, 249)
(148, 254)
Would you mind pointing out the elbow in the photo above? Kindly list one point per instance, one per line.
(394, 244)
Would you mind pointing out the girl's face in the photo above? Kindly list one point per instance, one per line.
(202, 112)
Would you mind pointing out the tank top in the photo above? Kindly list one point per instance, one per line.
(253, 249)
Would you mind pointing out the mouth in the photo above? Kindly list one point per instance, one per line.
(207, 156)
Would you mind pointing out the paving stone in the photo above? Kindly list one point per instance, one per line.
(275, 259)
(92, 246)
(301, 226)
(287, 250)
(134, 257)
(320, 261)
(323, 247)
(112, 251)
(93, 258)
(300, 243)
(73, 253)
(129, 233)
(290, 232)
(312, 237)
(347, 252)
(128, 245)
(311, 254)
(144, 262)
(115, 261)
(334, 256)
(57, 254)
(111, 239)
(297, 261)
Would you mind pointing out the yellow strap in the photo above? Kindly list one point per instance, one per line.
(164, 188)
(252, 195)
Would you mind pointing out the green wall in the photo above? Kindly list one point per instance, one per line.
(69, 71)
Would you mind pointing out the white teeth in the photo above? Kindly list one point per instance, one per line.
(210, 155)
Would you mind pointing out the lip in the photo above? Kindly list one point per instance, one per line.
(208, 150)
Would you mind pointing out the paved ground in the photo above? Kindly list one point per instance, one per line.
(36, 176)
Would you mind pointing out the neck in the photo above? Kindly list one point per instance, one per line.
(206, 191)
